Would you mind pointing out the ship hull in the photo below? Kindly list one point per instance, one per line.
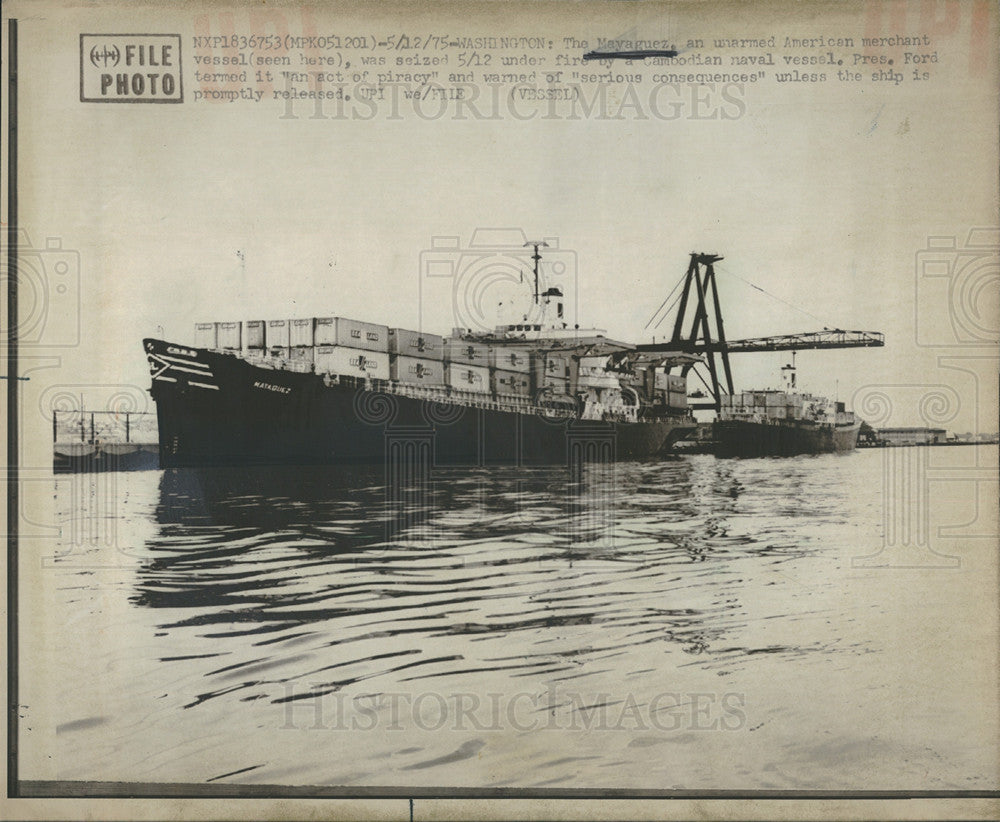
(744, 438)
(217, 409)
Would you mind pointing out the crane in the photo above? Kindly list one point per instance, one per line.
(701, 292)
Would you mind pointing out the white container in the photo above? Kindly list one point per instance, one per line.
(557, 365)
(555, 387)
(508, 358)
(512, 383)
(302, 353)
(674, 383)
(229, 336)
(351, 362)
(462, 351)
(344, 332)
(253, 333)
(416, 370)
(300, 332)
(416, 344)
(206, 335)
(277, 334)
(464, 377)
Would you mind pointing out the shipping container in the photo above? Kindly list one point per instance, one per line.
(551, 368)
(343, 332)
(462, 351)
(300, 332)
(206, 335)
(464, 377)
(677, 399)
(514, 383)
(555, 387)
(230, 336)
(416, 344)
(671, 382)
(301, 353)
(416, 371)
(351, 362)
(558, 364)
(277, 334)
(253, 334)
(280, 352)
(508, 358)
(777, 413)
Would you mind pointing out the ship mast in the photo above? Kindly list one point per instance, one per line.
(536, 257)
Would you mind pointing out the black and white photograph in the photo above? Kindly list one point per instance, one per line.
(502, 410)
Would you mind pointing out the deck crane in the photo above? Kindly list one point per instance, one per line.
(701, 294)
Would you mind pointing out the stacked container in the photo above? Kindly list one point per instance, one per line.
(346, 347)
(470, 353)
(552, 370)
(403, 342)
(510, 383)
(416, 358)
(508, 358)
(254, 334)
(416, 370)
(351, 362)
(206, 335)
(277, 338)
(464, 377)
(351, 334)
(230, 336)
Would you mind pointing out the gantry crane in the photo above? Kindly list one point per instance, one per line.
(701, 293)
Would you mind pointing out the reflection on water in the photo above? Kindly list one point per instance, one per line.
(692, 603)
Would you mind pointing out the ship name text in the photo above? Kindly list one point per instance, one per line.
(266, 386)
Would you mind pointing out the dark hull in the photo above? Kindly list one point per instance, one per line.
(781, 438)
(214, 409)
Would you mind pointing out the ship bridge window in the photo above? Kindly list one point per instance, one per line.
(538, 328)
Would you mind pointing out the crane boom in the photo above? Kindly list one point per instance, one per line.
(828, 338)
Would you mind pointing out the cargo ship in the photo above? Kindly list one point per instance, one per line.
(783, 423)
(337, 390)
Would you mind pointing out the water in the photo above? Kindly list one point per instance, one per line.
(693, 623)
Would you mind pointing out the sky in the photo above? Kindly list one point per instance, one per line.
(823, 195)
